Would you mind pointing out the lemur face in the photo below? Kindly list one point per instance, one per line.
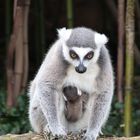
(81, 47)
(80, 57)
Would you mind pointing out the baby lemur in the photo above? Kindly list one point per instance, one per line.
(75, 103)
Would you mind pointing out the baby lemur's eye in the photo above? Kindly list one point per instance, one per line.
(73, 55)
(89, 55)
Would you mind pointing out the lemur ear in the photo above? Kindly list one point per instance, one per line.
(64, 33)
(100, 39)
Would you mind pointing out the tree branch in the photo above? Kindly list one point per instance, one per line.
(33, 136)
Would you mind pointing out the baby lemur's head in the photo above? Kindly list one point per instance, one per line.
(71, 94)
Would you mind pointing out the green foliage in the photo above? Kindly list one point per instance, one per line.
(115, 124)
(14, 120)
(136, 115)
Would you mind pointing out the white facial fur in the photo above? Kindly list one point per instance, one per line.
(81, 52)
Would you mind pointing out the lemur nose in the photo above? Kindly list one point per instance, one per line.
(81, 68)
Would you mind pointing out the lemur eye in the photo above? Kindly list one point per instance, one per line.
(89, 55)
(73, 54)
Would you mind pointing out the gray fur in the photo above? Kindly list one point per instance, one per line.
(82, 37)
(47, 104)
(46, 90)
(103, 98)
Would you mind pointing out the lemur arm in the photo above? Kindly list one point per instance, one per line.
(102, 102)
(50, 75)
(100, 111)
(48, 101)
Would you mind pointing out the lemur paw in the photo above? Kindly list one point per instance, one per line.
(46, 129)
(57, 131)
(90, 136)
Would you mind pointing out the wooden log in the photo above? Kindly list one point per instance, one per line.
(33, 136)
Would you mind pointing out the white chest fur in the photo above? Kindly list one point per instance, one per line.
(85, 81)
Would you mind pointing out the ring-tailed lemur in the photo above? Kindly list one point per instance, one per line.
(77, 59)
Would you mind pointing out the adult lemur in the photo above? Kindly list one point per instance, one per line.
(76, 72)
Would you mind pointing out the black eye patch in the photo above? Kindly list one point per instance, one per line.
(73, 55)
(89, 55)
